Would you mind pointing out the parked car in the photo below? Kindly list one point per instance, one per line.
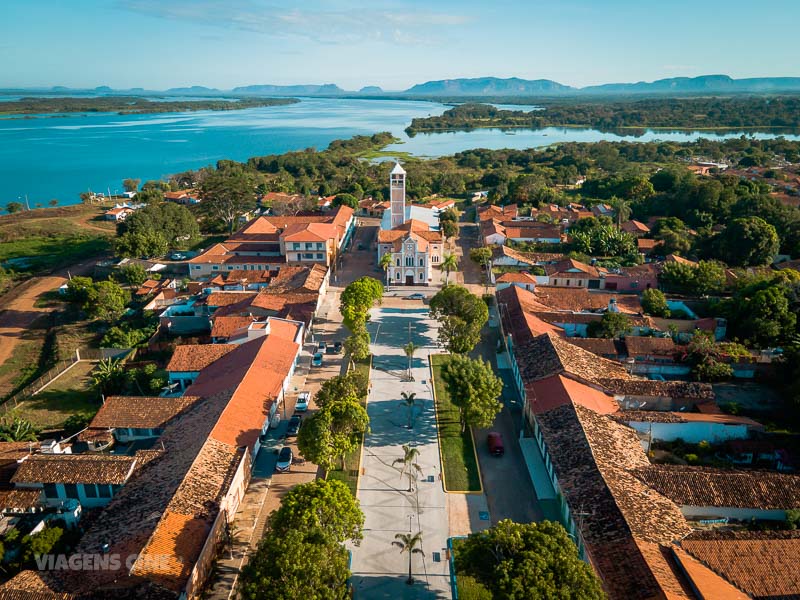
(337, 347)
(294, 425)
(495, 443)
(302, 402)
(284, 463)
(416, 296)
(177, 256)
(316, 360)
(322, 346)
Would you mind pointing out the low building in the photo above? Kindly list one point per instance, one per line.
(573, 273)
(635, 228)
(186, 197)
(693, 428)
(118, 213)
(521, 280)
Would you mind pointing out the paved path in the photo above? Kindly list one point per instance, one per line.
(379, 570)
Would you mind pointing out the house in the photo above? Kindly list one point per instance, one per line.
(186, 197)
(126, 419)
(693, 428)
(504, 256)
(490, 211)
(572, 273)
(603, 210)
(371, 208)
(324, 202)
(635, 228)
(633, 279)
(646, 246)
(522, 280)
(90, 479)
(651, 349)
(118, 213)
(440, 206)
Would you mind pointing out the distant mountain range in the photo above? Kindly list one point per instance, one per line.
(477, 87)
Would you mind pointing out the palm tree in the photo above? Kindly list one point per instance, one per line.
(106, 373)
(384, 263)
(409, 466)
(410, 400)
(450, 263)
(16, 429)
(623, 208)
(409, 349)
(408, 543)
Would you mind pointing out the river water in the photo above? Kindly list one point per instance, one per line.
(59, 157)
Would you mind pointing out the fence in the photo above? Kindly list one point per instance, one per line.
(61, 367)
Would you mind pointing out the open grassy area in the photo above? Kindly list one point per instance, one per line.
(352, 460)
(459, 463)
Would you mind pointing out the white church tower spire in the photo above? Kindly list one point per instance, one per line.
(397, 195)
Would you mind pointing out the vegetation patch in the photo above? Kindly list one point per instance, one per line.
(459, 464)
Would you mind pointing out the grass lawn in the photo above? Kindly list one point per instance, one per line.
(352, 460)
(41, 253)
(459, 462)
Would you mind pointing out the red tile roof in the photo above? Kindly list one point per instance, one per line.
(224, 327)
(75, 468)
(558, 390)
(196, 357)
(516, 278)
(140, 412)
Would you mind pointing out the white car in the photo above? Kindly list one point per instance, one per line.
(302, 402)
(284, 463)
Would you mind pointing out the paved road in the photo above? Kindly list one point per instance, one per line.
(379, 570)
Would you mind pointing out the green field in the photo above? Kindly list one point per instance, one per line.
(459, 463)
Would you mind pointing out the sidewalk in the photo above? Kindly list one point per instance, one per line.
(379, 570)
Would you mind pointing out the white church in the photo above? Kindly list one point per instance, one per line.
(410, 234)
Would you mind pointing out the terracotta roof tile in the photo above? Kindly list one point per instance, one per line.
(140, 412)
(516, 310)
(196, 357)
(702, 486)
(581, 299)
(662, 389)
(224, 327)
(602, 346)
(637, 346)
(516, 278)
(75, 468)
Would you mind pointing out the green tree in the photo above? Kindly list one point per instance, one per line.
(449, 263)
(333, 431)
(14, 428)
(14, 207)
(408, 465)
(356, 300)
(40, 543)
(295, 566)
(174, 222)
(357, 345)
(108, 375)
(134, 274)
(677, 277)
(354, 383)
(384, 263)
(345, 200)
(106, 300)
(461, 317)
(748, 241)
(474, 389)
(409, 350)
(611, 325)
(78, 289)
(655, 303)
(527, 560)
(131, 185)
(765, 318)
(408, 544)
(138, 244)
(449, 229)
(709, 277)
(481, 256)
(448, 216)
(322, 505)
(228, 193)
(622, 208)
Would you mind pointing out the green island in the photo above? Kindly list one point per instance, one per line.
(130, 105)
(656, 113)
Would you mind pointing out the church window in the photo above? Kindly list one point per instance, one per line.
(421, 262)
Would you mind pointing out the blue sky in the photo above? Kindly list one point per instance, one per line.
(392, 43)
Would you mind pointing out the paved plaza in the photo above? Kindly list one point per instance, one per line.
(379, 569)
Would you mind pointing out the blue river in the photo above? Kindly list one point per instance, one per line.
(57, 157)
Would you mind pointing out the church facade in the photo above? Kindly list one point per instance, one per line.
(414, 247)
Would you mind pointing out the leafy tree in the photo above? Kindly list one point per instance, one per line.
(449, 229)
(106, 300)
(137, 244)
(131, 185)
(174, 222)
(228, 193)
(40, 543)
(622, 208)
(655, 303)
(76, 423)
(449, 263)
(448, 216)
(357, 345)
(295, 566)
(356, 300)
(14, 207)
(78, 289)
(765, 317)
(705, 357)
(474, 389)
(611, 325)
(108, 376)
(481, 256)
(134, 274)
(527, 560)
(354, 383)
(345, 200)
(14, 428)
(333, 431)
(322, 505)
(461, 317)
(408, 544)
(748, 241)
(709, 277)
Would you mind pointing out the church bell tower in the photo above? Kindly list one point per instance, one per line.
(397, 195)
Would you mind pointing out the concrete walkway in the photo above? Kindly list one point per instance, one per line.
(379, 569)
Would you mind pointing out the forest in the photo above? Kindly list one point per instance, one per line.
(128, 105)
(673, 113)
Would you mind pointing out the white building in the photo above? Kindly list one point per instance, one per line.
(414, 245)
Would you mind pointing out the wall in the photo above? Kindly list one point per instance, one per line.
(692, 433)
(740, 514)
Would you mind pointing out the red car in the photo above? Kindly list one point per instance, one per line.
(495, 443)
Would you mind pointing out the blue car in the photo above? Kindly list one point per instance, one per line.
(316, 361)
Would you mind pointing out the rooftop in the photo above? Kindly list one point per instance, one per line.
(663, 389)
(196, 357)
(139, 412)
(75, 468)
